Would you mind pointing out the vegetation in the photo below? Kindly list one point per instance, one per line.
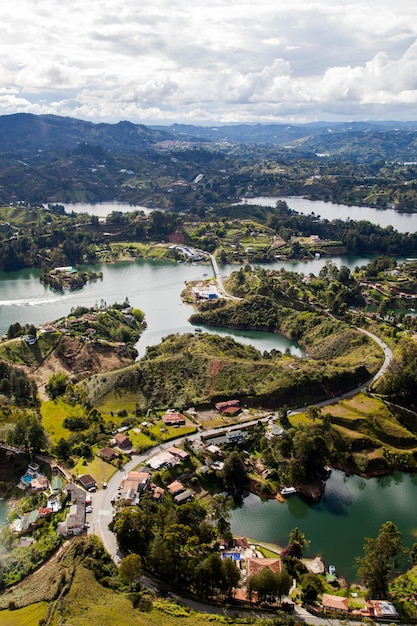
(381, 556)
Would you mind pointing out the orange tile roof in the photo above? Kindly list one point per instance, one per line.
(256, 565)
(335, 602)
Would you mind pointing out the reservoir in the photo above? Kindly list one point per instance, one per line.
(351, 509)
(153, 286)
(402, 222)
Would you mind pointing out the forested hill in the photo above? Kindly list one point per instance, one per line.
(23, 133)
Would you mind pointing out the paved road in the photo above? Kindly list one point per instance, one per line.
(103, 509)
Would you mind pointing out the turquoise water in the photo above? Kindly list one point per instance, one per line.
(352, 508)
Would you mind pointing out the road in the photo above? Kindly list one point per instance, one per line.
(103, 509)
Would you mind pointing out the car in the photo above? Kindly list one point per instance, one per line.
(88, 509)
(104, 485)
(119, 488)
(87, 525)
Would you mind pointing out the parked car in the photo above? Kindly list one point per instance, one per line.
(88, 509)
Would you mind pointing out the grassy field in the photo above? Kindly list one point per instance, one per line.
(27, 616)
(96, 467)
(18, 352)
(53, 415)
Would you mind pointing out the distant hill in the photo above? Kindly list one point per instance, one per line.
(24, 133)
(51, 159)
(353, 141)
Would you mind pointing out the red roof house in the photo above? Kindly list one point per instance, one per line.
(174, 419)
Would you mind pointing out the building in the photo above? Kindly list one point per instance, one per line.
(175, 487)
(75, 521)
(39, 484)
(220, 406)
(122, 441)
(174, 419)
(335, 603)
(134, 485)
(381, 610)
(87, 482)
(184, 496)
(163, 459)
(236, 436)
(108, 454)
(180, 454)
(256, 565)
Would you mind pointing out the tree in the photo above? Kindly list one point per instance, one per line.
(381, 555)
(297, 544)
(56, 385)
(231, 576)
(130, 568)
(234, 474)
(284, 582)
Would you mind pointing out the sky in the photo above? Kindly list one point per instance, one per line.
(210, 61)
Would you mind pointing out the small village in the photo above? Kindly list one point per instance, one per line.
(71, 500)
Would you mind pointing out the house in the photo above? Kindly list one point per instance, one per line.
(180, 454)
(175, 487)
(162, 459)
(256, 565)
(235, 436)
(273, 431)
(184, 496)
(173, 419)
(122, 441)
(157, 493)
(107, 454)
(29, 521)
(335, 603)
(57, 484)
(381, 610)
(87, 482)
(221, 406)
(39, 484)
(214, 450)
(44, 511)
(75, 521)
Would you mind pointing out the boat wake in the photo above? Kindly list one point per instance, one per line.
(34, 302)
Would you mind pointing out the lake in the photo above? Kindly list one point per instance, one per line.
(352, 508)
(402, 222)
(153, 286)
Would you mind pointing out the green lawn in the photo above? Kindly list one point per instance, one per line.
(100, 470)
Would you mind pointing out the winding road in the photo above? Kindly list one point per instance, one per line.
(103, 509)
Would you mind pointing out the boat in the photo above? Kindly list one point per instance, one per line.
(332, 570)
(287, 491)
(198, 330)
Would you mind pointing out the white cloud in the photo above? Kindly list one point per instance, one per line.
(217, 61)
